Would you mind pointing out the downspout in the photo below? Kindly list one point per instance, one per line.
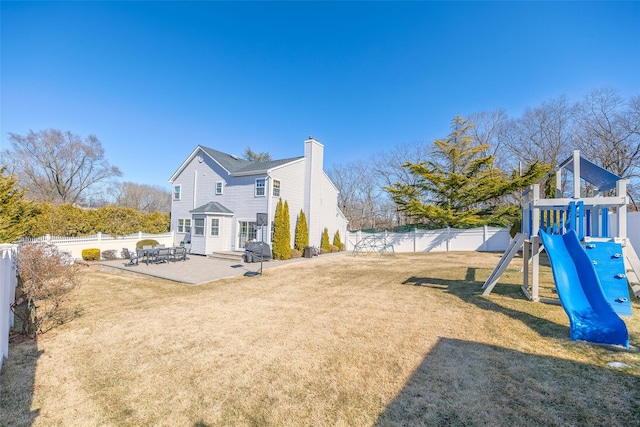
(195, 186)
(269, 190)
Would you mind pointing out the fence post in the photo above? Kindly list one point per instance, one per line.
(415, 239)
(485, 237)
(448, 238)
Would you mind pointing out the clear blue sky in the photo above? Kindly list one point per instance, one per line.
(154, 79)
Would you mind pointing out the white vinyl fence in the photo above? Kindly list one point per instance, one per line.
(104, 242)
(482, 239)
(8, 282)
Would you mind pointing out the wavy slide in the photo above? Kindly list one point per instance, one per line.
(590, 315)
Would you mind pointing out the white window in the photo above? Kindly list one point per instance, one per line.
(198, 227)
(176, 192)
(184, 225)
(219, 187)
(260, 187)
(276, 188)
(215, 227)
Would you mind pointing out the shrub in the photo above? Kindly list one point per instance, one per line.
(45, 275)
(92, 254)
(324, 242)
(146, 242)
(281, 233)
(110, 254)
(296, 253)
(302, 232)
(334, 248)
(337, 242)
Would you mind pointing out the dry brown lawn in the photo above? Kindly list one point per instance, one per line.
(335, 341)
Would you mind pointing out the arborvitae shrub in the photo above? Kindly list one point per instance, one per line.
(296, 253)
(324, 242)
(91, 254)
(302, 232)
(281, 234)
(337, 242)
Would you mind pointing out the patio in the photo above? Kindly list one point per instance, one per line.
(196, 269)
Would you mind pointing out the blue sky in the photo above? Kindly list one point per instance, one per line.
(154, 79)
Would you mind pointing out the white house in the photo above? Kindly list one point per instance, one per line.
(217, 198)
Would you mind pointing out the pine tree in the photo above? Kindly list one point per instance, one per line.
(461, 187)
(281, 232)
(324, 241)
(302, 232)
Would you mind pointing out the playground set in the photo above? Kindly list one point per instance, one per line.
(592, 270)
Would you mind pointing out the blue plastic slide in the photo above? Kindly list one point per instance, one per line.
(590, 316)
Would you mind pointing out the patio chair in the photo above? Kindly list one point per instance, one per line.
(162, 255)
(131, 256)
(179, 254)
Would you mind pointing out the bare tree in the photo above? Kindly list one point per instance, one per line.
(143, 198)
(542, 134)
(360, 194)
(59, 167)
(608, 131)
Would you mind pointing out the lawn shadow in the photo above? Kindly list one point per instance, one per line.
(470, 290)
(468, 383)
(17, 381)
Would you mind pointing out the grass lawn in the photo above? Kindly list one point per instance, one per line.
(334, 341)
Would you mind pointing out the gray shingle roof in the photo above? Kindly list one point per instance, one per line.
(235, 164)
(212, 208)
(228, 161)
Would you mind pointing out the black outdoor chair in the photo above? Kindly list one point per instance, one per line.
(131, 256)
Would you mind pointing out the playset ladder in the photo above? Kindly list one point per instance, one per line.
(515, 245)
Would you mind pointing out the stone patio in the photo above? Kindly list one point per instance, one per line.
(197, 269)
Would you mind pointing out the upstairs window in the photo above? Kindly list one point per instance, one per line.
(276, 188)
(219, 187)
(176, 192)
(260, 187)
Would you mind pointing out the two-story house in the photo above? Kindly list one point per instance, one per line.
(217, 197)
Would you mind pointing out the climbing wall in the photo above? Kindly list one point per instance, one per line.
(608, 259)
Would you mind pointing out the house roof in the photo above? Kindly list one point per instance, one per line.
(601, 178)
(262, 167)
(230, 162)
(212, 208)
(234, 165)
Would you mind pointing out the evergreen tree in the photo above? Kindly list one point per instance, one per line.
(302, 232)
(281, 233)
(336, 240)
(324, 241)
(461, 187)
(16, 214)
